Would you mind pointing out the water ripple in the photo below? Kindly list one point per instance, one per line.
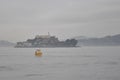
(5, 68)
(30, 75)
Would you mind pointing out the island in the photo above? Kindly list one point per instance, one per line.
(46, 41)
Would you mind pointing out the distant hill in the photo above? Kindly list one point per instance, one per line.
(6, 43)
(103, 41)
(80, 37)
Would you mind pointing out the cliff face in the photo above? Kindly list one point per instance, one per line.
(47, 41)
(104, 41)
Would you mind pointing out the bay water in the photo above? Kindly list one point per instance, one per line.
(81, 63)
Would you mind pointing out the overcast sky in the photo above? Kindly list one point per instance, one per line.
(23, 19)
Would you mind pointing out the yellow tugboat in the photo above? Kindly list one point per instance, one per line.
(38, 52)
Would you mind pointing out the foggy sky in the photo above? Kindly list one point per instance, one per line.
(23, 19)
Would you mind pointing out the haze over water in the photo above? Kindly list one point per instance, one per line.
(85, 63)
(24, 19)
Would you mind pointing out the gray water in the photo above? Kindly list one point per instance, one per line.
(85, 63)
